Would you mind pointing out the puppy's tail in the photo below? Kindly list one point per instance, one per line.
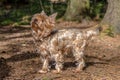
(94, 32)
(99, 29)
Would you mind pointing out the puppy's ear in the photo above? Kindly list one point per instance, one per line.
(53, 16)
(43, 13)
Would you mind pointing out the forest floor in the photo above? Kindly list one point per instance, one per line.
(18, 60)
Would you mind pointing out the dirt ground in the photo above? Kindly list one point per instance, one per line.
(18, 60)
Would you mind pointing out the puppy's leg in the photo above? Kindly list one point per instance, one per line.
(45, 59)
(45, 67)
(79, 56)
(80, 61)
(59, 62)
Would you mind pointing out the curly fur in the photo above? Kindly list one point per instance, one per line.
(54, 44)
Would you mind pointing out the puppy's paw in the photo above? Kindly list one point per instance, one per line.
(77, 71)
(56, 71)
(42, 71)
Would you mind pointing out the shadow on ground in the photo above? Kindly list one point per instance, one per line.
(4, 69)
(10, 29)
(23, 56)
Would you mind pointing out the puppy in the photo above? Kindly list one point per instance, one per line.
(54, 44)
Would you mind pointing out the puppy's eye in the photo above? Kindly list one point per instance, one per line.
(35, 20)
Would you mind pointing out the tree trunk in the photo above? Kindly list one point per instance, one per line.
(76, 10)
(112, 15)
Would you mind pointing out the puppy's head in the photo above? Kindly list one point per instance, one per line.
(42, 24)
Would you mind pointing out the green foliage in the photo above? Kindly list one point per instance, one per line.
(20, 13)
(14, 16)
(46, 78)
(109, 31)
(97, 8)
(6, 22)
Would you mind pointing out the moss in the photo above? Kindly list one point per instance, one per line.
(110, 31)
(45, 78)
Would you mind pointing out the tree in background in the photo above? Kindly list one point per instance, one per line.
(14, 11)
(112, 16)
(77, 10)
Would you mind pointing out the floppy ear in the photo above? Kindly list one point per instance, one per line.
(53, 16)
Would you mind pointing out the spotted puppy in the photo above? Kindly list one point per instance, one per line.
(54, 44)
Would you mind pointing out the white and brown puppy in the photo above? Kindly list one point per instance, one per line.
(55, 44)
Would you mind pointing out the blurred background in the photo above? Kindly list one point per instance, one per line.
(19, 12)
